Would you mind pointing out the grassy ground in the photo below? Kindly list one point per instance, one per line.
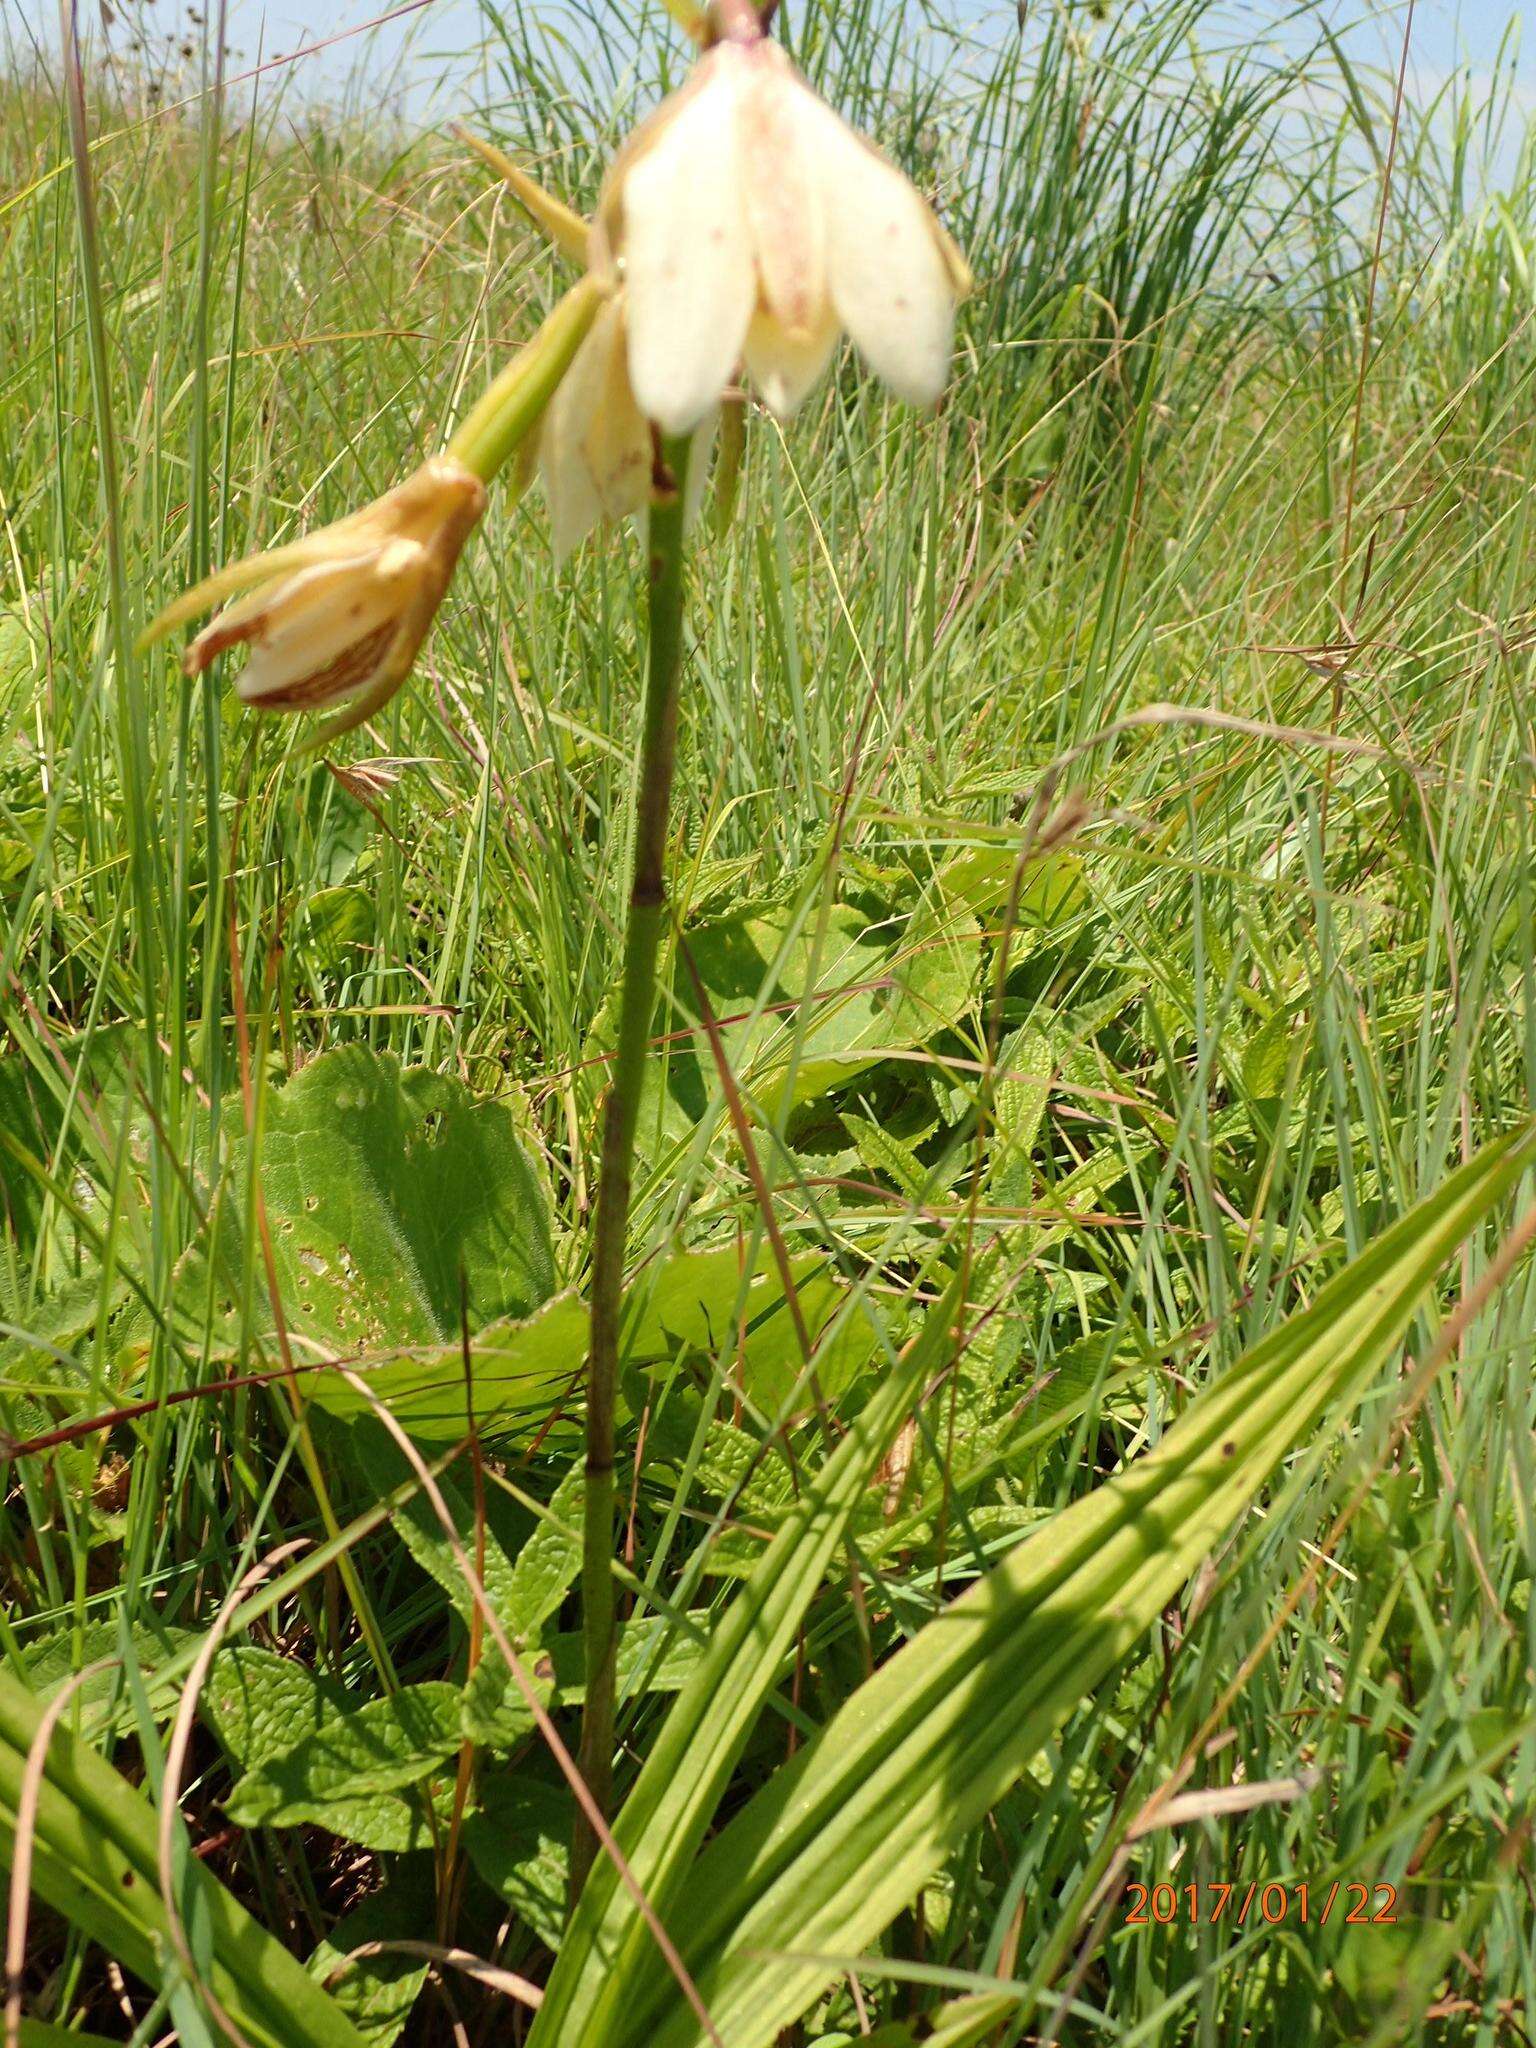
(1212, 582)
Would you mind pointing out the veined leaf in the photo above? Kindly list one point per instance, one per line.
(493, 1710)
(52, 1661)
(841, 1838)
(378, 1992)
(523, 1367)
(259, 1704)
(418, 1528)
(983, 879)
(549, 1563)
(390, 1743)
(651, 1657)
(830, 1011)
(388, 1189)
(882, 1153)
(1026, 1062)
(518, 1843)
(530, 1367)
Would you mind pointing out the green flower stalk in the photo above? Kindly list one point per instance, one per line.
(743, 224)
(642, 936)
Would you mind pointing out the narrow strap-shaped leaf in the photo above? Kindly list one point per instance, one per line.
(842, 1838)
(675, 1796)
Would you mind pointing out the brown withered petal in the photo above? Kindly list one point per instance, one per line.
(344, 616)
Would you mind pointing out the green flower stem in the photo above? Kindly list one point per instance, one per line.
(647, 902)
(508, 410)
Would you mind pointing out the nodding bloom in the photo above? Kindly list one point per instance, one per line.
(338, 618)
(596, 454)
(747, 221)
(594, 447)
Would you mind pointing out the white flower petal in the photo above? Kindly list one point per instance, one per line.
(887, 271)
(595, 451)
(574, 506)
(689, 279)
(783, 205)
(784, 366)
(616, 446)
(250, 617)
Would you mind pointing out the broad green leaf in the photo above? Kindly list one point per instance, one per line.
(1369, 1968)
(36, 1140)
(651, 1658)
(877, 985)
(840, 1839)
(55, 1658)
(696, 1303)
(258, 1704)
(548, 1565)
(688, 1302)
(666, 1815)
(523, 1370)
(385, 1467)
(396, 1822)
(378, 1992)
(383, 1186)
(261, 1705)
(882, 1153)
(389, 1743)
(1053, 888)
(1269, 1053)
(1025, 1064)
(519, 1841)
(95, 1861)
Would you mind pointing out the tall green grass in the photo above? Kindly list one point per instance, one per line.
(1177, 547)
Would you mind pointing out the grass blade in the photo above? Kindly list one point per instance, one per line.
(825, 1856)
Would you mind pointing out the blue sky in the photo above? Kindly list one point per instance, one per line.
(432, 46)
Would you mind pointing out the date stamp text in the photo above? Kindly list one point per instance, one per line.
(1206, 1905)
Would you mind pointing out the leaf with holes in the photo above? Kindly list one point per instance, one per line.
(386, 1190)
